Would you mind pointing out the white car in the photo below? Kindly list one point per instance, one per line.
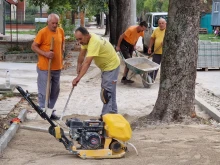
(151, 19)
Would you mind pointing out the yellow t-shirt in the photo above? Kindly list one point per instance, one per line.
(131, 35)
(159, 36)
(43, 38)
(103, 53)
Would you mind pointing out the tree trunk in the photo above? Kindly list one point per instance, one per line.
(107, 30)
(82, 20)
(73, 17)
(112, 19)
(119, 17)
(178, 69)
(41, 11)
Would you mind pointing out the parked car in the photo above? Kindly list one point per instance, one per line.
(152, 21)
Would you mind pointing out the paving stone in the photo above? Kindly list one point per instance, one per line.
(6, 105)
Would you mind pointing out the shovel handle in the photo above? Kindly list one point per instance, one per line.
(151, 55)
(49, 76)
(66, 104)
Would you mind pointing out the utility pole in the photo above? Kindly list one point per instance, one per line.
(133, 12)
(1, 17)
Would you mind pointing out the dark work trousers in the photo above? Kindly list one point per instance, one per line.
(42, 86)
(126, 49)
(109, 81)
(157, 59)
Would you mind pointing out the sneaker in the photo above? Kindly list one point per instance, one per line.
(54, 117)
(126, 81)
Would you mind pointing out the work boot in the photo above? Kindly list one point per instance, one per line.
(54, 116)
(126, 81)
(100, 119)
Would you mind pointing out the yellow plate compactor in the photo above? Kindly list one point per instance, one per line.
(96, 139)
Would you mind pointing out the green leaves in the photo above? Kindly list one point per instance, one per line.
(156, 5)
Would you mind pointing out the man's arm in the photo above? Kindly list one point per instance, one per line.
(85, 67)
(36, 49)
(119, 42)
(80, 60)
(63, 46)
(152, 40)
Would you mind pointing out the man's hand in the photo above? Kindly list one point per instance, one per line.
(75, 81)
(117, 48)
(135, 47)
(149, 51)
(49, 54)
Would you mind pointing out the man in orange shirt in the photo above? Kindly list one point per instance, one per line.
(41, 46)
(127, 44)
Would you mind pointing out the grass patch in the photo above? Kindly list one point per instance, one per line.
(209, 37)
(8, 94)
(32, 32)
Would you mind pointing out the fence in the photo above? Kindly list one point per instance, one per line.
(21, 18)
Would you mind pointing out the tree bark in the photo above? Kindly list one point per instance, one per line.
(119, 17)
(112, 19)
(179, 61)
(107, 30)
(82, 20)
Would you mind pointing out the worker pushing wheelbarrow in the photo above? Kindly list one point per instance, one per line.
(143, 67)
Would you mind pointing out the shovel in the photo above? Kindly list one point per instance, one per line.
(66, 104)
(49, 76)
(151, 55)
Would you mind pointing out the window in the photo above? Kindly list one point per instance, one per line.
(216, 4)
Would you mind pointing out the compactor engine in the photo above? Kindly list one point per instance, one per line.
(88, 133)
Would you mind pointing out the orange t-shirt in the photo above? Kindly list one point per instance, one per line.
(131, 35)
(43, 38)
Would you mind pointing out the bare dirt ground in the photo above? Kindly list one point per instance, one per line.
(194, 142)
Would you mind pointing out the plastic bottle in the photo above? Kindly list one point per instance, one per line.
(7, 80)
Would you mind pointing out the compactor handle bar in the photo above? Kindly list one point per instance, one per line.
(66, 142)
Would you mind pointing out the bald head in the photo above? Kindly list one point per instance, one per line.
(52, 16)
(52, 21)
(162, 23)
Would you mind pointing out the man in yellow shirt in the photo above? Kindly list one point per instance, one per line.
(41, 46)
(127, 44)
(157, 39)
(94, 47)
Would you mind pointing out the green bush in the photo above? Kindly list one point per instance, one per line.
(68, 29)
(39, 25)
(18, 49)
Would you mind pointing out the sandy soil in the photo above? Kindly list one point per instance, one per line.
(161, 145)
(190, 143)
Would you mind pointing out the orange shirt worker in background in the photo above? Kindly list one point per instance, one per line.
(127, 42)
(41, 46)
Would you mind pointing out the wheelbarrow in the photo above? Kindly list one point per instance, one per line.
(143, 67)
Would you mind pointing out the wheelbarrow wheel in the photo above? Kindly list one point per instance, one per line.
(147, 80)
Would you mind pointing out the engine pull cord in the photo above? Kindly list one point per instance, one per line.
(129, 144)
(133, 147)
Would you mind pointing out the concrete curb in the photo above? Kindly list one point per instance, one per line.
(210, 110)
(9, 134)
